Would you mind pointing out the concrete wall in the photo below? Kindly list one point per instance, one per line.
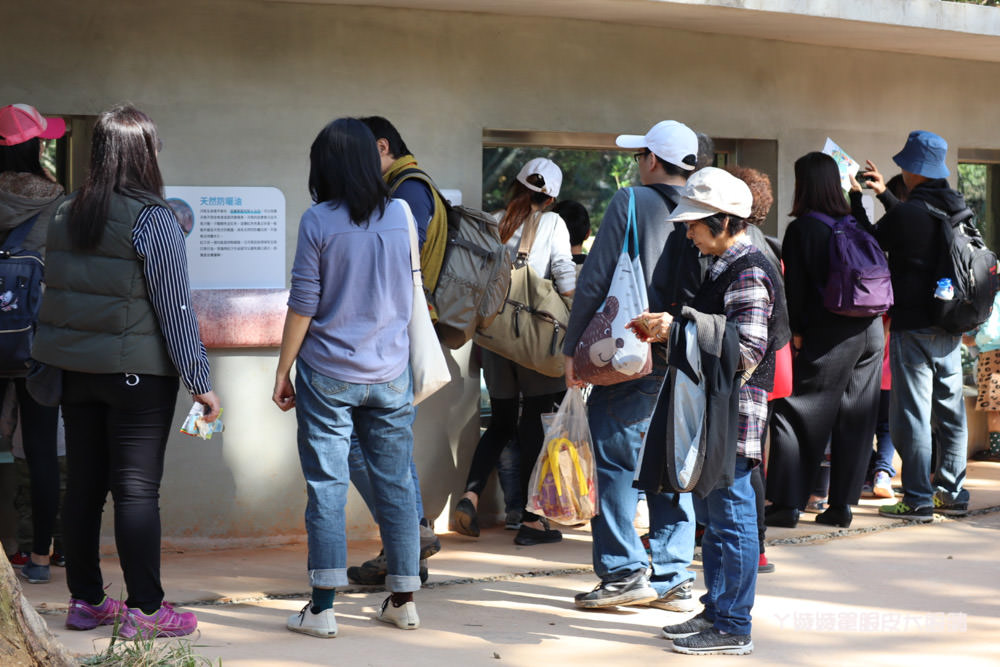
(239, 90)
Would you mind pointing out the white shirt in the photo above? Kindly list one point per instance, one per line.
(550, 254)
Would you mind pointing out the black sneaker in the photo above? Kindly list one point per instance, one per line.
(687, 628)
(678, 598)
(950, 508)
(713, 642)
(633, 589)
(372, 572)
(903, 511)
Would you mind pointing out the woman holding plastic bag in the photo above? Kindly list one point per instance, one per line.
(732, 311)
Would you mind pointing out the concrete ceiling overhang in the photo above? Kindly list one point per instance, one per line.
(920, 27)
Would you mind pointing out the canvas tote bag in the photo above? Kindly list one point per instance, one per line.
(607, 352)
(531, 325)
(427, 362)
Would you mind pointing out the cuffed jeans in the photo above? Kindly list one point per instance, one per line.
(619, 416)
(328, 411)
(729, 551)
(927, 389)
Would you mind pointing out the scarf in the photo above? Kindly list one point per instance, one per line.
(432, 253)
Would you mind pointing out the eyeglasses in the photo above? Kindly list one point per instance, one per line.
(641, 154)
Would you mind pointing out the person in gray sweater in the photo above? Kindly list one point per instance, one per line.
(619, 414)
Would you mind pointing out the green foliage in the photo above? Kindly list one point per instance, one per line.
(149, 653)
(972, 185)
(590, 177)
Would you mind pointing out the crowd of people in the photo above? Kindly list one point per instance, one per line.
(117, 327)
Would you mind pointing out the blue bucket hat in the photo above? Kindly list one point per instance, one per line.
(923, 154)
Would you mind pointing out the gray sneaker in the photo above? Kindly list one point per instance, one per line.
(678, 598)
(633, 589)
(689, 627)
(429, 542)
(713, 642)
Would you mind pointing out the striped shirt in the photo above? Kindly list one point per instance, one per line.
(748, 302)
(159, 242)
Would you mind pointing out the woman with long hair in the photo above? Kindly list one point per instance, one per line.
(836, 368)
(513, 387)
(117, 319)
(346, 332)
(28, 200)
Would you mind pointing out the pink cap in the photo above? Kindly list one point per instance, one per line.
(21, 122)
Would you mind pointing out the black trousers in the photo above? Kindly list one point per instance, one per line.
(836, 379)
(116, 435)
(506, 425)
(39, 425)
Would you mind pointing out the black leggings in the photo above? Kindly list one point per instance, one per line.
(116, 435)
(506, 426)
(38, 433)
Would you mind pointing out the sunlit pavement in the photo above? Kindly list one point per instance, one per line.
(883, 592)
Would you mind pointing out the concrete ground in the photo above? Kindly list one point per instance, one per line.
(882, 592)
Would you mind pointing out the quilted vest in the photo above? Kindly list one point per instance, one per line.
(96, 316)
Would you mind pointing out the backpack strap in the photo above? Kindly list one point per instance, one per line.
(952, 219)
(16, 238)
(830, 221)
(667, 193)
(419, 174)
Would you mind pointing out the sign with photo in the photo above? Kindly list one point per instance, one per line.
(235, 235)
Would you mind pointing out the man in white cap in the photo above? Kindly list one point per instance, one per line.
(619, 414)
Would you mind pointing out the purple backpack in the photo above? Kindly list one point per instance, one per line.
(858, 282)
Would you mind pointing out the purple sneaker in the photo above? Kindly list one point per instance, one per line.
(164, 622)
(85, 616)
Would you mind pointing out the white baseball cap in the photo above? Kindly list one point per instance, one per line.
(709, 191)
(549, 171)
(672, 141)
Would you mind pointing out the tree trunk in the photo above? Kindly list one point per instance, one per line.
(25, 640)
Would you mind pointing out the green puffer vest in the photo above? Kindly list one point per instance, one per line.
(96, 316)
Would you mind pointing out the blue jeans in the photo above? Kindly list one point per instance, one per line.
(362, 482)
(509, 477)
(619, 416)
(882, 456)
(927, 392)
(730, 551)
(328, 411)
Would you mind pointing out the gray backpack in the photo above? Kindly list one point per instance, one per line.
(475, 273)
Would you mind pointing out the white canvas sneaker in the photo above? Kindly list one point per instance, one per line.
(323, 624)
(404, 617)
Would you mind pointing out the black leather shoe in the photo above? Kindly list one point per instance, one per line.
(781, 517)
(527, 536)
(836, 515)
(466, 521)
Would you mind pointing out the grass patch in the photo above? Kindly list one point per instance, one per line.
(150, 653)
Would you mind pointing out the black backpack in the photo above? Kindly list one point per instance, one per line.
(21, 275)
(972, 268)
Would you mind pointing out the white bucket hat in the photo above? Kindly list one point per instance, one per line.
(672, 141)
(710, 191)
(548, 170)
